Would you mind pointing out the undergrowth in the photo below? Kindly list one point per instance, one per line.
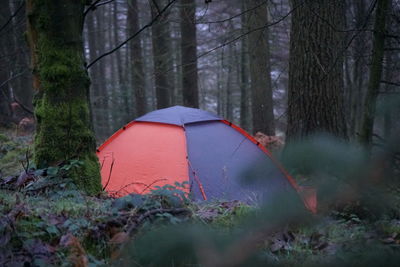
(46, 221)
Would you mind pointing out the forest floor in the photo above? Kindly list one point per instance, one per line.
(45, 221)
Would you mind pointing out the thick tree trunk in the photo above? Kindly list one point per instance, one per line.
(316, 94)
(260, 71)
(60, 79)
(189, 54)
(375, 74)
(160, 56)
(137, 59)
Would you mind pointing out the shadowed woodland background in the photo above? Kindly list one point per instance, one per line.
(227, 38)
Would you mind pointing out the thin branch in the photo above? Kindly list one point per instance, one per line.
(104, 3)
(392, 49)
(90, 8)
(239, 37)
(23, 106)
(234, 16)
(390, 83)
(12, 16)
(156, 6)
(12, 78)
(133, 36)
(109, 175)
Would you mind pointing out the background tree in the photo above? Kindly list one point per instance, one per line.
(62, 84)
(375, 75)
(245, 122)
(316, 93)
(159, 33)
(5, 97)
(260, 69)
(137, 59)
(189, 54)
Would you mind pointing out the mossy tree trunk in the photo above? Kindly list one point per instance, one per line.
(61, 82)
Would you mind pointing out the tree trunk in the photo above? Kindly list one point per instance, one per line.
(94, 71)
(244, 77)
(358, 71)
(5, 100)
(62, 84)
(375, 74)
(260, 71)
(189, 54)
(137, 59)
(22, 86)
(316, 93)
(102, 77)
(228, 87)
(160, 56)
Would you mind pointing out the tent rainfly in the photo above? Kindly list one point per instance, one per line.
(216, 158)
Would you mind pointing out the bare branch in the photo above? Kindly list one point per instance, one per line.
(91, 8)
(134, 35)
(12, 16)
(391, 83)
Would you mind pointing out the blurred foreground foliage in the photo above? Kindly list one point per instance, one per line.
(45, 220)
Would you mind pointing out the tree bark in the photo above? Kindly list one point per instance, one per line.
(160, 56)
(190, 88)
(316, 93)
(375, 74)
(62, 84)
(137, 59)
(260, 71)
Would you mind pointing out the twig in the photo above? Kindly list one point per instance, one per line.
(234, 16)
(12, 78)
(91, 7)
(390, 83)
(23, 106)
(26, 168)
(109, 175)
(156, 181)
(104, 3)
(12, 16)
(156, 6)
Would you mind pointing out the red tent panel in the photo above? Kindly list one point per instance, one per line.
(162, 158)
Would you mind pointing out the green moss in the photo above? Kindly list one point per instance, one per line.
(61, 106)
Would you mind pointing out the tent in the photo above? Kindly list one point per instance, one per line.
(180, 144)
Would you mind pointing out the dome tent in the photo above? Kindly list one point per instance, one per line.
(180, 144)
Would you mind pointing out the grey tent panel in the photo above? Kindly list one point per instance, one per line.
(178, 115)
(231, 167)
